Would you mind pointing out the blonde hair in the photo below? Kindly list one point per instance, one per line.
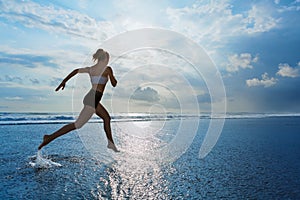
(99, 55)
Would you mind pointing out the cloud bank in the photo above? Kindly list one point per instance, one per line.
(145, 94)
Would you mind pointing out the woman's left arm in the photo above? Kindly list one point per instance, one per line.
(112, 78)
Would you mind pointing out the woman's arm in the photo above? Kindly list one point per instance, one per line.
(112, 79)
(73, 73)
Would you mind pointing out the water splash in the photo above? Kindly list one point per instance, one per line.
(41, 162)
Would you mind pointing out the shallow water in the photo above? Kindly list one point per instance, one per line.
(253, 159)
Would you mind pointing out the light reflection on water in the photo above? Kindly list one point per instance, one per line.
(136, 140)
(133, 179)
(136, 172)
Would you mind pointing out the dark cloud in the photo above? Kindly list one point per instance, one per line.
(15, 79)
(146, 94)
(34, 81)
(26, 60)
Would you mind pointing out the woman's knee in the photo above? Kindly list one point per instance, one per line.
(106, 118)
(78, 124)
(72, 126)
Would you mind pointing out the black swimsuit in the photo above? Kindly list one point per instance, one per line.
(92, 98)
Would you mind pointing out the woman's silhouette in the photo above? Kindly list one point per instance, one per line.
(99, 75)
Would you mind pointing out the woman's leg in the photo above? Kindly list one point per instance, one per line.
(49, 138)
(85, 114)
(102, 112)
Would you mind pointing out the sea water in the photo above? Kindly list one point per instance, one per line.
(256, 157)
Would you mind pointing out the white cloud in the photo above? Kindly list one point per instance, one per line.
(216, 21)
(265, 81)
(204, 22)
(260, 20)
(56, 20)
(16, 98)
(293, 6)
(243, 61)
(286, 71)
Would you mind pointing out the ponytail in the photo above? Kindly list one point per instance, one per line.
(99, 55)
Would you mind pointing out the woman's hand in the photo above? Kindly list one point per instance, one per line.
(114, 82)
(61, 85)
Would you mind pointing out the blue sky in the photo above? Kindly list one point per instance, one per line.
(254, 44)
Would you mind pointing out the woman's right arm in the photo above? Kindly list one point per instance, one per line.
(73, 73)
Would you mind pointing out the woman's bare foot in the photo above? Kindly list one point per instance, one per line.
(46, 140)
(112, 146)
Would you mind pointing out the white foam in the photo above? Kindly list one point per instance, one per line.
(41, 162)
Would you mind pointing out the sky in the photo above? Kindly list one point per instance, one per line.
(254, 46)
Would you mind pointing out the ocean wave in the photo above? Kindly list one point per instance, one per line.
(260, 115)
(34, 118)
(57, 118)
(54, 118)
